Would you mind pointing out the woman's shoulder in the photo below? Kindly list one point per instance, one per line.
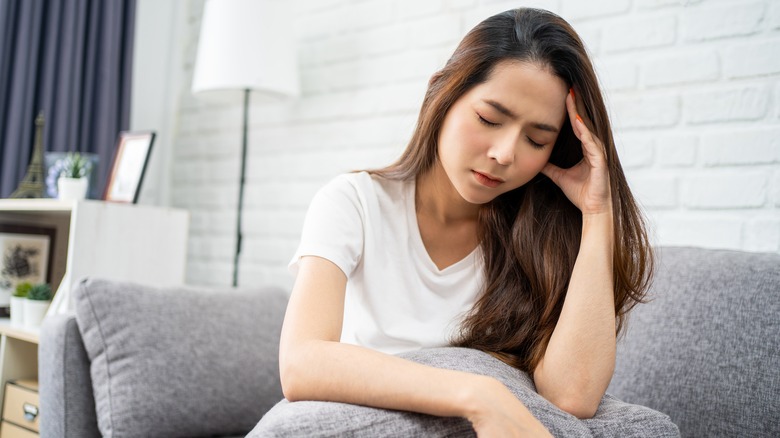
(364, 183)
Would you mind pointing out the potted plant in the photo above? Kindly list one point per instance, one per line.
(17, 302)
(38, 300)
(73, 179)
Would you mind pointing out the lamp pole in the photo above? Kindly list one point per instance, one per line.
(245, 45)
(241, 181)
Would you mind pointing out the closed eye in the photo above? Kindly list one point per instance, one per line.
(486, 122)
(535, 144)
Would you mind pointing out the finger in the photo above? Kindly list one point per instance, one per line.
(591, 147)
(553, 172)
(579, 105)
(571, 108)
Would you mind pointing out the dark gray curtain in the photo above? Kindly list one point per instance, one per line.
(72, 60)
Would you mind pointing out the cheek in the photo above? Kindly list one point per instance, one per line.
(459, 134)
(543, 159)
(531, 166)
(535, 162)
(543, 156)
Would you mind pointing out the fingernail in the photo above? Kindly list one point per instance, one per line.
(580, 119)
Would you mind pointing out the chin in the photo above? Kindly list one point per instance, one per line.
(477, 197)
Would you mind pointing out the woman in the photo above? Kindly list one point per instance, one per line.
(506, 226)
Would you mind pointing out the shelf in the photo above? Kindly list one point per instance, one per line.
(37, 205)
(93, 238)
(18, 332)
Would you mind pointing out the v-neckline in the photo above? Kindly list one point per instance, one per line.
(419, 245)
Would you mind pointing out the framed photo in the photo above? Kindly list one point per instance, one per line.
(128, 166)
(26, 254)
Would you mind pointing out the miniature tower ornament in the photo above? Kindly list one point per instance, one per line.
(32, 184)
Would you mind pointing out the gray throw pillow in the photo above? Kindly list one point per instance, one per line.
(180, 361)
(327, 419)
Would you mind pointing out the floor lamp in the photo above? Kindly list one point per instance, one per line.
(245, 46)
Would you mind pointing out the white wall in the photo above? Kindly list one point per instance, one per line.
(693, 87)
(157, 71)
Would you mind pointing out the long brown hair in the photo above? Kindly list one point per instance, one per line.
(530, 236)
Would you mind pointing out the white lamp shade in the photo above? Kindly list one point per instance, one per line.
(246, 44)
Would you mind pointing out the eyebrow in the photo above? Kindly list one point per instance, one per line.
(507, 112)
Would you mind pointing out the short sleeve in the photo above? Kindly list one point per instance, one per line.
(333, 228)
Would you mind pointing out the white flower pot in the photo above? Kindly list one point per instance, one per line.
(72, 189)
(34, 311)
(17, 311)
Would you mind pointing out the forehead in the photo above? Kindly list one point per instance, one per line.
(526, 89)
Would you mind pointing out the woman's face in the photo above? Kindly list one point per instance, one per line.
(499, 135)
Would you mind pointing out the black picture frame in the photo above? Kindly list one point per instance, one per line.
(26, 254)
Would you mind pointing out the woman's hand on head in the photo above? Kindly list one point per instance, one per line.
(586, 184)
(496, 412)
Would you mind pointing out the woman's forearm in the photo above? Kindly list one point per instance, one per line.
(580, 357)
(332, 371)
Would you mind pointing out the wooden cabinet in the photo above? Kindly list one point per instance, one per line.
(143, 244)
(21, 408)
(18, 355)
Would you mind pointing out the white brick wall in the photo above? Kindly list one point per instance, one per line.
(693, 87)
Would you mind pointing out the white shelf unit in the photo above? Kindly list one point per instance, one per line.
(139, 243)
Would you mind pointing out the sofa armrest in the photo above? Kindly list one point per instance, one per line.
(67, 404)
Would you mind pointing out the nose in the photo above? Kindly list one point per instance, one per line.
(503, 151)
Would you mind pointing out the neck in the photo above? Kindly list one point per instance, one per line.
(436, 198)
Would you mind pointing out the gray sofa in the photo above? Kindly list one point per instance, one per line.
(142, 361)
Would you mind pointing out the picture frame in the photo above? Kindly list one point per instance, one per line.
(26, 254)
(128, 166)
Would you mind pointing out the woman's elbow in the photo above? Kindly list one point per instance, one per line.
(290, 378)
(579, 395)
(582, 402)
(299, 379)
(291, 393)
(580, 407)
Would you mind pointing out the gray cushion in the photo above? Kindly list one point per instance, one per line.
(180, 361)
(326, 419)
(706, 350)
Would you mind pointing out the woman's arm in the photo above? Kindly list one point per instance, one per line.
(316, 366)
(580, 357)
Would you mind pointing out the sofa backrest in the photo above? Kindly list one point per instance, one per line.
(140, 361)
(706, 349)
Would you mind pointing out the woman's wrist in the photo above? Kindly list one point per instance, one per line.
(601, 214)
(598, 209)
(472, 395)
(597, 216)
(599, 226)
(490, 406)
(481, 394)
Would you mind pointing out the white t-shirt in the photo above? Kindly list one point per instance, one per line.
(396, 298)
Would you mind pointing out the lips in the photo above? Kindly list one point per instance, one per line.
(486, 179)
